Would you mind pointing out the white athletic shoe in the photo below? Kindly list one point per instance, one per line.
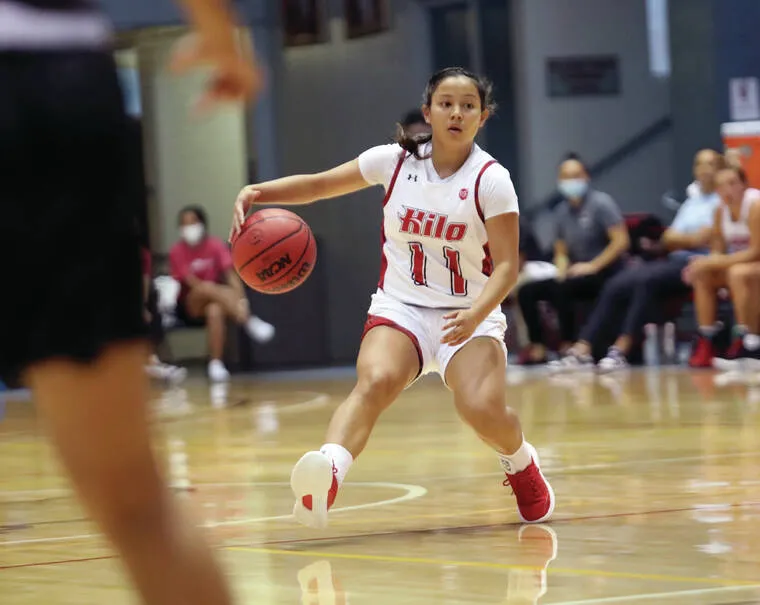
(315, 487)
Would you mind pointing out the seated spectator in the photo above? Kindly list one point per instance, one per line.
(731, 157)
(591, 241)
(733, 263)
(414, 123)
(630, 299)
(533, 267)
(210, 289)
(155, 368)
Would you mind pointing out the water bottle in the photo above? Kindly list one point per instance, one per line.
(651, 345)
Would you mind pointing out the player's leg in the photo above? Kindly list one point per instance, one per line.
(79, 293)
(388, 361)
(608, 312)
(744, 282)
(97, 418)
(706, 286)
(475, 373)
(228, 299)
(199, 309)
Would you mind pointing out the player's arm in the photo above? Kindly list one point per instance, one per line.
(234, 74)
(210, 16)
(561, 258)
(304, 188)
(717, 241)
(308, 188)
(752, 253)
(675, 237)
(618, 244)
(503, 232)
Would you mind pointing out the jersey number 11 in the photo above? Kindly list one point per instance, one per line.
(419, 264)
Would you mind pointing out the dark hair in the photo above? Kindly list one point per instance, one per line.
(575, 157)
(198, 211)
(413, 117)
(485, 91)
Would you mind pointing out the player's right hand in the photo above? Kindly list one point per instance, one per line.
(245, 199)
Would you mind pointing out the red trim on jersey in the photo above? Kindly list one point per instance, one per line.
(373, 321)
(487, 260)
(477, 188)
(391, 185)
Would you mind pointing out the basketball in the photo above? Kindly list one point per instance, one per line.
(275, 251)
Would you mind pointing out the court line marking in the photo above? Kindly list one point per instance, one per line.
(412, 493)
(744, 584)
(610, 465)
(63, 492)
(698, 592)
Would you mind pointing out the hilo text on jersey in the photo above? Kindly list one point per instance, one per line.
(430, 224)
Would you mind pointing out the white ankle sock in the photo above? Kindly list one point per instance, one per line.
(519, 461)
(752, 342)
(341, 459)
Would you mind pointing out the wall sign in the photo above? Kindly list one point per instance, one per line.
(583, 76)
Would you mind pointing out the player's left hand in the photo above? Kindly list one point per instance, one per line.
(459, 328)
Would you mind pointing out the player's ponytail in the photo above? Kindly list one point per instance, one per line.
(411, 143)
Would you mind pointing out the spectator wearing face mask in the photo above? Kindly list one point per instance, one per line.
(632, 297)
(591, 239)
(210, 289)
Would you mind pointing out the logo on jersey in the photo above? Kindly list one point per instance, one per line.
(463, 194)
(430, 224)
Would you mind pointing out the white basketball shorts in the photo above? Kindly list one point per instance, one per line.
(424, 326)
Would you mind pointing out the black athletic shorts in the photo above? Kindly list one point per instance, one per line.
(69, 248)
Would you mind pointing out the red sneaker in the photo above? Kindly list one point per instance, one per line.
(534, 495)
(703, 354)
(315, 486)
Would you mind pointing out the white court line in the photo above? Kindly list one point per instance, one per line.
(697, 592)
(60, 492)
(50, 540)
(608, 465)
(412, 492)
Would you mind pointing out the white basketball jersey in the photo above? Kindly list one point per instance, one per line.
(434, 243)
(736, 233)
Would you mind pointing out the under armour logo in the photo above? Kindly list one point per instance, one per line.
(411, 177)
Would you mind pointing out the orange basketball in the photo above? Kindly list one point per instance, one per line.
(275, 251)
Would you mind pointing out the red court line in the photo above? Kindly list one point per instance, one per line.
(61, 562)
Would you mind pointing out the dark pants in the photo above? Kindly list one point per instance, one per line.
(562, 296)
(633, 297)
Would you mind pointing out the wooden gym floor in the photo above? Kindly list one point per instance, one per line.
(657, 475)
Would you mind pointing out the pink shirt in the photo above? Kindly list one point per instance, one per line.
(208, 261)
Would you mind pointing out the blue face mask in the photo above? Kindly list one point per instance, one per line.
(573, 189)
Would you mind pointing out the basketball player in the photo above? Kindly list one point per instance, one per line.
(72, 324)
(449, 257)
(733, 263)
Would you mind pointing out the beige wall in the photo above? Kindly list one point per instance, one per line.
(189, 159)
